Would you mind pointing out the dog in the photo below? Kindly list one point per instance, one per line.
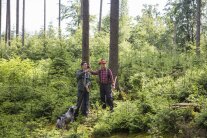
(63, 120)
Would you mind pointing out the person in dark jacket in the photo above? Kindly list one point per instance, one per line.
(106, 83)
(83, 80)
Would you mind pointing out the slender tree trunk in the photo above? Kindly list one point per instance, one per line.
(17, 18)
(198, 19)
(23, 23)
(188, 30)
(81, 13)
(85, 31)
(44, 23)
(192, 34)
(0, 18)
(100, 16)
(175, 34)
(114, 36)
(6, 31)
(59, 20)
(81, 16)
(8, 24)
(193, 24)
(44, 17)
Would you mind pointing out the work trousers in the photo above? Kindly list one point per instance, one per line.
(106, 95)
(83, 102)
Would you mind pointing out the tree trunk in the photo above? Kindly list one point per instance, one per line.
(17, 18)
(59, 20)
(6, 31)
(8, 24)
(192, 34)
(100, 16)
(0, 18)
(23, 22)
(44, 17)
(114, 36)
(44, 23)
(81, 12)
(198, 19)
(85, 31)
(175, 34)
(193, 24)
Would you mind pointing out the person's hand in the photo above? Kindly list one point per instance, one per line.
(113, 86)
(91, 70)
(87, 70)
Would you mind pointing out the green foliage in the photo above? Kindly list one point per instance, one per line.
(124, 22)
(128, 117)
(36, 89)
(106, 24)
(149, 29)
(102, 130)
(38, 81)
(99, 48)
(201, 120)
(182, 15)
(72, 13)
(169, 121)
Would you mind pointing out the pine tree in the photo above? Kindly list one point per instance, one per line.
(44, 17)
(85, 32)
(198, 20)
(100, 16)
(59, 19)
(23, 22)
(17, 18)
(0, 18)
(8, 24)
(114, 36)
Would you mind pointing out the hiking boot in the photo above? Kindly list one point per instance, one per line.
(104, 106)
(85, 114)
(111, 109)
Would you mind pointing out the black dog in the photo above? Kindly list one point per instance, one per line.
(63, 121)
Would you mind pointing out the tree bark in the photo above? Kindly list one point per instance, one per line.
(17, 18)
(0, 18)
(198, 20)
(81, 12)
(59, 20)
(44, 17)
(8, 24)
(6, 31)
(175, 34)
(85, 31)
(114, 36)
(44, 23)
(23, 23)
(100, 16)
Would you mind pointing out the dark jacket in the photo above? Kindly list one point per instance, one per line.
(82, 79)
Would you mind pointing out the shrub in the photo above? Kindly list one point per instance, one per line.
(169, 121)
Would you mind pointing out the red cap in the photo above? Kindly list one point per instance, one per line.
(102, 61)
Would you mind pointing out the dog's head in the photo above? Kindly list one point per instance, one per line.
(70, 113)
(72, 109)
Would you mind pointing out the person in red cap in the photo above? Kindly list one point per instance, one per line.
(106, 82)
